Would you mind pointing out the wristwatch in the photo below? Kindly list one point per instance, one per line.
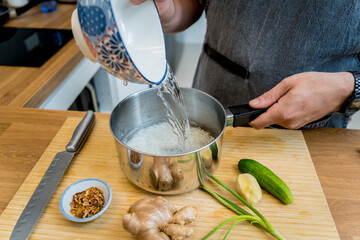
(352, 104)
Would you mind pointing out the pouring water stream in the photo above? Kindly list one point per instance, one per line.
(176, 112)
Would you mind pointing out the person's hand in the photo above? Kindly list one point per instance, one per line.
(166, 9)
(303, 98)
(176, 15)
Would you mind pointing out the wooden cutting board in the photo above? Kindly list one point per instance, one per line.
(283, 151)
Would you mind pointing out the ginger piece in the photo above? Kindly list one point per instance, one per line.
(184, 216)
(177, 232)
(165, 172)
(158, 219)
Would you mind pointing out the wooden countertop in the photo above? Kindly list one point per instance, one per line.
(25, 133)
(30, 86)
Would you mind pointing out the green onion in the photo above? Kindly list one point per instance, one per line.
(239, 218)
(242, 214)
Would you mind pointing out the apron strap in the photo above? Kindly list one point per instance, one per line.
(226, 63)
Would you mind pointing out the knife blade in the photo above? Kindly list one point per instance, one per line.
(50, 180)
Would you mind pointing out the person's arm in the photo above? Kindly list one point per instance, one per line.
(303, 98)
(176, 15)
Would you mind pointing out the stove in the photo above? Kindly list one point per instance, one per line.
(30, 47)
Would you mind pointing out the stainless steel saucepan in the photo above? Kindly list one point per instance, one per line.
(176, 173)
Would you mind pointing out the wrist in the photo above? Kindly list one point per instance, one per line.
(345, 89)
(349, 83)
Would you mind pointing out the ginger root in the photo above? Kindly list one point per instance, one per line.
(165, 172)
(158, 219)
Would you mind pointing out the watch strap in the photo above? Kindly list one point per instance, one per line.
(357, 84)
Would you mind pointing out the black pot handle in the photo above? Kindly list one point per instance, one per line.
(241, 115)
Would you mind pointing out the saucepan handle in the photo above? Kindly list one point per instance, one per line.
(242, 114)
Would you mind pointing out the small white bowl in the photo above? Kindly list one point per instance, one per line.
(66, 197)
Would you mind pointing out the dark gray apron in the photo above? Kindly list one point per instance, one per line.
(271, 40)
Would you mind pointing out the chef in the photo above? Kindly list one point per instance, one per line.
(299, 59)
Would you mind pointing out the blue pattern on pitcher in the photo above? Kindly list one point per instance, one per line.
(99, 27)
(92, 20)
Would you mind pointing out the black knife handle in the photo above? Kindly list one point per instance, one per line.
(81, 132)
(243, 114)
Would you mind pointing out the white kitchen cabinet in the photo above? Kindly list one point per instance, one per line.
(66, 93)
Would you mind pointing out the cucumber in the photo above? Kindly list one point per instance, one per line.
(267, 179)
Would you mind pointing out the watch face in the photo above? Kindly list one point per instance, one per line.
(355, 105)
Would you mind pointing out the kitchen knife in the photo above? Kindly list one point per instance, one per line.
(50, 180)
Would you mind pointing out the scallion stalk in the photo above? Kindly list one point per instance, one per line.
(238, 218)
(261, 223)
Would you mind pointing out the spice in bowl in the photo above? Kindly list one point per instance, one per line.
(87, 203)
(85, 200)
